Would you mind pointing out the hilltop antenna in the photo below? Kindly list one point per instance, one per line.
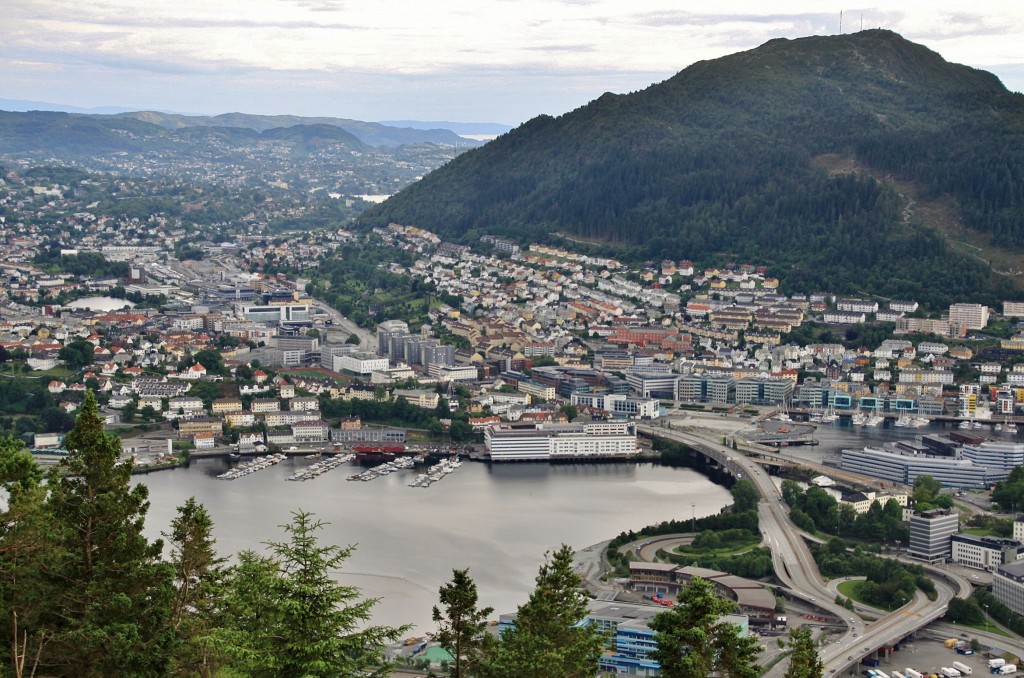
(862, 21)
(840, 22)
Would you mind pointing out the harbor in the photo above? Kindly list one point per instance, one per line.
(319, 468)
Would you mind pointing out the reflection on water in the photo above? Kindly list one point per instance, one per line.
(497, 520)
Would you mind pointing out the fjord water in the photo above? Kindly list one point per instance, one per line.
(498, 520)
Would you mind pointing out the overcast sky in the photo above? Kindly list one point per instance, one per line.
(461, 60)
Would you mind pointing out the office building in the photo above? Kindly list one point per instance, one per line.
(931, 534)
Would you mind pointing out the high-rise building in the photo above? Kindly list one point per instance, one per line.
(931, 534)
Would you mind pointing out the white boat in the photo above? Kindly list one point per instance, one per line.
(976, 424)
(1010, 428)
(903, 421)
(964, 424)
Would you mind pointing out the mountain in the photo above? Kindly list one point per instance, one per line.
(25, 105)
(466, 128)
(370, 133)
(842, 162)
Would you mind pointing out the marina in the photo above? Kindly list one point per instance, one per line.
(249, 467)
(321, 467)
(436, 472)
(384, 469)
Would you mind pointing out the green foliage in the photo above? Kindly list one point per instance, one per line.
(724, 162)
(693, 641)
(889, 584)
(77, 354)
(804, 661)
(1009, 494)
(548, 639)
(965, 611)
(815, 509)
(198, 587)
(1000, 612)
(753, 564)
(745, 496)
(287, 616)
(462, 627)
(110, 593)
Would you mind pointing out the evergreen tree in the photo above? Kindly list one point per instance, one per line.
(109, 612)
(198, 576)
(289, 617)
(694, 642)
(549, 639)
(804, 661)
(23, 551)
(462, 628)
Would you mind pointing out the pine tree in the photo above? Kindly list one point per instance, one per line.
(289, 617)
(694, 642)
(804, 661)
(549, 639)
(23, 551)
(462, 628)
(113, 592)
(198, 579)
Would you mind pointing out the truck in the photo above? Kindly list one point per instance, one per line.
(949, 672)
(913, 673)
(897, 674)
(996, 663)
(962, 668)
(964, 650)
(1006, 669)
(951, 642)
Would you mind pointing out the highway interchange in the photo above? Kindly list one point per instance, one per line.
(796, 569)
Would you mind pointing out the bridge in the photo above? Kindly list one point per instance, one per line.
(796, 568)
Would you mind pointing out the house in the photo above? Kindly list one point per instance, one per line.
(204, 441)
(195, 372)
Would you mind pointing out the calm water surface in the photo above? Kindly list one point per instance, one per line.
(497, 520)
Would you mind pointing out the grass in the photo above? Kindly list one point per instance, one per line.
(988, 628)
(851, 589)
(733, 550)
(980, 532)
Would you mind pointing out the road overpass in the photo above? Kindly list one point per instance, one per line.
(795, 566)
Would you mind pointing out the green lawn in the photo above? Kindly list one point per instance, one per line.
(851, 589)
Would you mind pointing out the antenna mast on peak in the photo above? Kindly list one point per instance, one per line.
(840, 22)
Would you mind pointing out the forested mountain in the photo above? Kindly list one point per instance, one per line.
(811, 155)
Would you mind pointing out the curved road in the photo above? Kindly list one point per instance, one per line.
(796, 568)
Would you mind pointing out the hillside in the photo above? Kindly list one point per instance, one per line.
(370, 133)
(722, 162)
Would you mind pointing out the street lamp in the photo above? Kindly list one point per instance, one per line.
(693, 517)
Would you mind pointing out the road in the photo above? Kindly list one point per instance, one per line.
(795, 566)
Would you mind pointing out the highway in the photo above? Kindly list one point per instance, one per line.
(795, 566)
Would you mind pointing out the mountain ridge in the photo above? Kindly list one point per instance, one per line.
(716, 162)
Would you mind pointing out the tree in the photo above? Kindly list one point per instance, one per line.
(744, 495)
(549, 639)
(77, 354)
(804, 661)
(198, 576)
(570, 411)
(693, 640)
(112, 592)
(289, 617)
(23, 554)
(926, 490)
(462, 627)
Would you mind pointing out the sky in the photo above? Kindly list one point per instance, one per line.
(502, 61)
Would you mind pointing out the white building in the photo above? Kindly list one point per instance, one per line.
(552, 442)
(1008, 585)
(985, 553)
(971, 316)
(619, 405)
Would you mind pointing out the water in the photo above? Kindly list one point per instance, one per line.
(497, 520)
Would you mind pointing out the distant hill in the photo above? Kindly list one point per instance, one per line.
(370, 133)
(461, 128)
(25, 105)
(843, 162)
